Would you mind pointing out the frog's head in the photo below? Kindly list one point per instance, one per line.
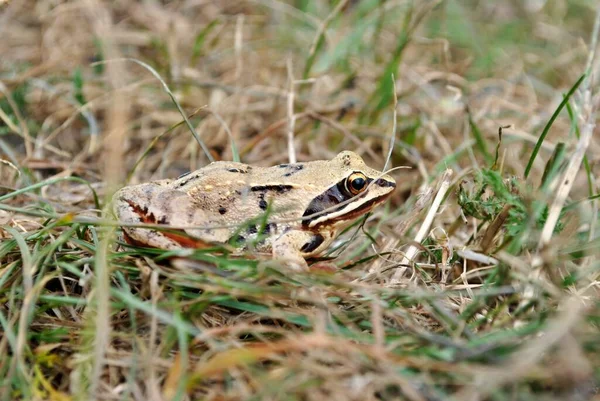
(357, 189)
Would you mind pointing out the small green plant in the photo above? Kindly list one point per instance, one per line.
(489, 195)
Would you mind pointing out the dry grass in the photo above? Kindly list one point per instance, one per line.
(472, 295)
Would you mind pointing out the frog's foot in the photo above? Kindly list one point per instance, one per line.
(294, 246)
(291, 259)
(286, 248)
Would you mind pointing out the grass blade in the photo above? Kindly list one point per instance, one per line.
(562, 104)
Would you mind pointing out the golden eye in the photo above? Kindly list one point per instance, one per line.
(356, 183)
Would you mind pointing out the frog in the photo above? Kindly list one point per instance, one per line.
(292, 211)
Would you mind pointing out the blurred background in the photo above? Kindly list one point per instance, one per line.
(459, 67)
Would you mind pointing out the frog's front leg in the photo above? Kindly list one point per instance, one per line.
(294, 246)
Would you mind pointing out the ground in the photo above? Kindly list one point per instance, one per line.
(478, 280)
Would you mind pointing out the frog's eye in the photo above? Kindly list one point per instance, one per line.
(356, 183)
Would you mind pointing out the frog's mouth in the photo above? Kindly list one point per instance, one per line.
(335, 217)
(359, 211)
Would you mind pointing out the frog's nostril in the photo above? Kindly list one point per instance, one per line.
(385, 183)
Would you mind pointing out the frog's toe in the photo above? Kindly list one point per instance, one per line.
(296, 265)
(289, 258)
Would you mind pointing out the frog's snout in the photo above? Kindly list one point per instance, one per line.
(385, 183)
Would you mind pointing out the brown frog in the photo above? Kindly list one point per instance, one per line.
(293, 211)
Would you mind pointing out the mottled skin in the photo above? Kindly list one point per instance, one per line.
(308, 204)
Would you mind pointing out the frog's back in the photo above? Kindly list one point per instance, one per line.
(216, 174)
(230, 195)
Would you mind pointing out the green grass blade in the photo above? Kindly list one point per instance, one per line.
(173, 99)
(562, 104)
(50, 182)
(201, 39)
(480, 141)
(133, 302)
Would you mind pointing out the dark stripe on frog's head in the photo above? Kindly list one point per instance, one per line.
(333, 196)
(376, 191)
